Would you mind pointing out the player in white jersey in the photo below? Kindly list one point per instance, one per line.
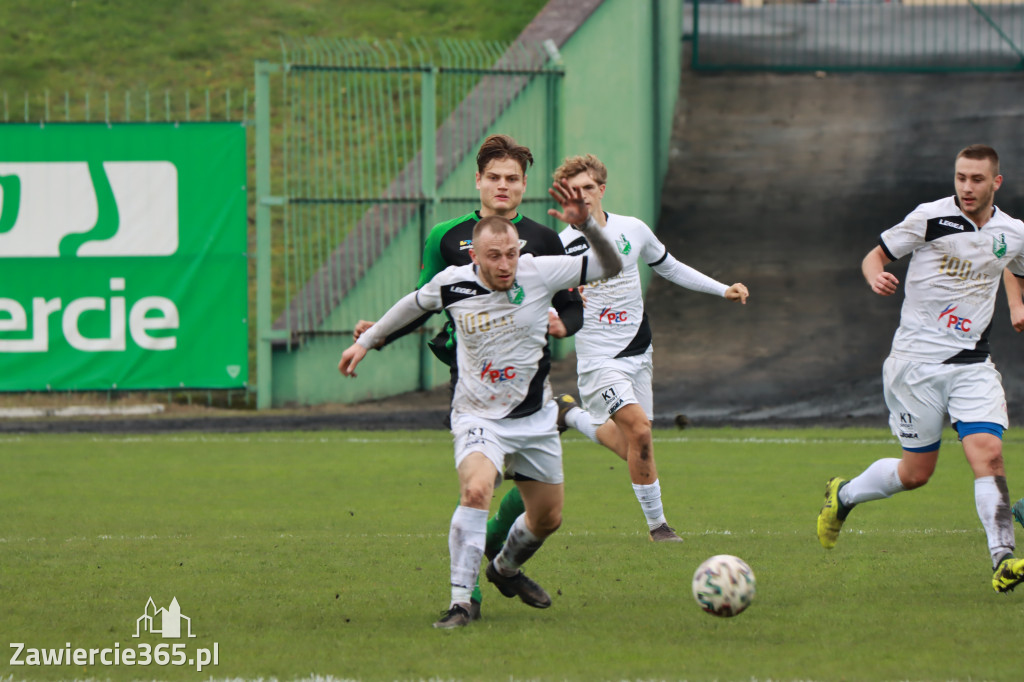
(503, 418)
(939, 362)
(613, 350)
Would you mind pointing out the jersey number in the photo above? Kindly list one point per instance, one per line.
(954, 267)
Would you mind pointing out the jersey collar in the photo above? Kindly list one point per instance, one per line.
(995, 210)
(519, 216)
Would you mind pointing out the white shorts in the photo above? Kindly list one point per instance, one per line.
(919, 395)
(616, 382)
(528, 446)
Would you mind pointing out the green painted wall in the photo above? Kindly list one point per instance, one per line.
(618, 97)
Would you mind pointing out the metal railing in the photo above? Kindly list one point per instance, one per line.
(357, 146)
(124, 107)
(920, 36)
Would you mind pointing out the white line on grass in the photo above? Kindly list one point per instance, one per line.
(779, 441)
(331, 678)
(228, 438)
(587, 533)
(311, 678)
(445, 437)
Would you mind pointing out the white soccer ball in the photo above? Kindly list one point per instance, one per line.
(724, 585)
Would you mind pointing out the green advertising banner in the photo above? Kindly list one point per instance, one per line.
(123, 256)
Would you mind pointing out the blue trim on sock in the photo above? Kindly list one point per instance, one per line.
(927, 448)
(969, 428)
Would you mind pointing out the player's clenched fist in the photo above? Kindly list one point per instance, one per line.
(737, 292)
(885, 284)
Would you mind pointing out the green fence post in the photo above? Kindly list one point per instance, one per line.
(695, 37)
(264, 368)
(553, 142)
(657, 150)
(428, 186)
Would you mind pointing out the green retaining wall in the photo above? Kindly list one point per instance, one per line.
(622, 69)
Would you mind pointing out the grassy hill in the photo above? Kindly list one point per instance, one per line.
(116, 45)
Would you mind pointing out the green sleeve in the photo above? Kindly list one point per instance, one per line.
(433, 262)
(433, 258)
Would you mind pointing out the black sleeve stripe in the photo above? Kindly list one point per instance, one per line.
(886, 250)
(660, 260)
(583, 271)
(1017, 276)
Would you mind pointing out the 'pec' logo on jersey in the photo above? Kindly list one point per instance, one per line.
(611, 317)
(496, 375)
(960, 324)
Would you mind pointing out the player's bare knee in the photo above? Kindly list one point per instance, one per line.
(645, 448)
(476, 495)
(640, 437)
(993, 465)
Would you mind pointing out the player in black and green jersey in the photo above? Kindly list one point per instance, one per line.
(448, 244)
(501, 181)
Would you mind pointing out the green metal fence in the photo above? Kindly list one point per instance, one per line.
(361, 146)
(922, 35)
(124, 107)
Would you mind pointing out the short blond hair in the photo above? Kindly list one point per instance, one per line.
(981, 152)
(494, 224)
(588, 163)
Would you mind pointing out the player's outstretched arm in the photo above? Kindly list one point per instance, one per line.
(689, 278)
(362, 326)
(608, 261)
(873, 267)
(402, 313)
(737, 292)
(1013, 297)
(575, 212)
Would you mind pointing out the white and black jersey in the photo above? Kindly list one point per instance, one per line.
(614, 321)
(952, 279)
(503, 369)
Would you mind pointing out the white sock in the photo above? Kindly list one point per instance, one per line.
(579, 419)
(520, 545)
(650, 501)
(466, 538)
(993, 501)
(877, 482)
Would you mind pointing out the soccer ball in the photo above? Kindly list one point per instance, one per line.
(724, 585)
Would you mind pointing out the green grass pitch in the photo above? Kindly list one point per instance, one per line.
(305, 555)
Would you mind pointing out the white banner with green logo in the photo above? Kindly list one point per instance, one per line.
(123, 256)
